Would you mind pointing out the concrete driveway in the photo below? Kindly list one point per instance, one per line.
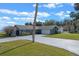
(70, 45)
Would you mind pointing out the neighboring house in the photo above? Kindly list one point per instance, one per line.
(72, 27)
(21, 29)
(61, 29)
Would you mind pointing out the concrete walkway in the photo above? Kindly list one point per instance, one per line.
(70, 45)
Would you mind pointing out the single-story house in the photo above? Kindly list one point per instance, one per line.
(21, 29)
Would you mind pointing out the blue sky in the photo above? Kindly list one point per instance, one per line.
(20, 13)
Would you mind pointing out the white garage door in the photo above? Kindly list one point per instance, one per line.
(45, 31)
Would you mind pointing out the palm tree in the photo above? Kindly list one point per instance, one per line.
(34, 23)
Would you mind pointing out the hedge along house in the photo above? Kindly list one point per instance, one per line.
(28, 29)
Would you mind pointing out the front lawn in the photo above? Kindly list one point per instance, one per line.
(2, 34)
(27, 48)
(65, 36)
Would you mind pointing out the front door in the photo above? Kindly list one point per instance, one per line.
(17, 32)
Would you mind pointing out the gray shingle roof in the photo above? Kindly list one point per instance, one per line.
(37, 27)
(30, 27)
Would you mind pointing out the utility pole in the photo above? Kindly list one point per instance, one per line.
(34, 23)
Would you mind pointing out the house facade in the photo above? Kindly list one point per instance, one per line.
(23, 29)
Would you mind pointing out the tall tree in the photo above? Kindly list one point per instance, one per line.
(49, 22)
(28, 23)
(75, 16)
(76, 6)
(39, 23)
(34, 23)
(66, 24)
(59, 23)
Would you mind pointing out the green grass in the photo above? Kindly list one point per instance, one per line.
(65, 36)
(27, 48)
(2, 34)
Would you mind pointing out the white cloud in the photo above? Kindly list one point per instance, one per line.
(28, 19)
(11, 23)
(68, 12)
(8, 11)
(24, 19)
(34, 5)
(39, 14)
(23, 13)
(14, 12)
(4, 18)
(17, 18)
(66, 15)
(61, 13)
(38, 5)
(28, 14)
(43, 14)
(50, 5)
(57, 3)
(60, 5)
(72, 4)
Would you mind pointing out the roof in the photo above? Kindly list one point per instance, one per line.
(30, 27)
(48, 27)
(9, 27)
(24, 27)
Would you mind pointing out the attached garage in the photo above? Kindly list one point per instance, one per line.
(45, 31)
(38, 31)
(49, 29)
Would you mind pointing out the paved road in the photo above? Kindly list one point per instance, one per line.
(70, 45)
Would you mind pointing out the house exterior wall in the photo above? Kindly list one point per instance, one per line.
(45, 31)
(14, 31)
(39, 30)
(52, 31)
